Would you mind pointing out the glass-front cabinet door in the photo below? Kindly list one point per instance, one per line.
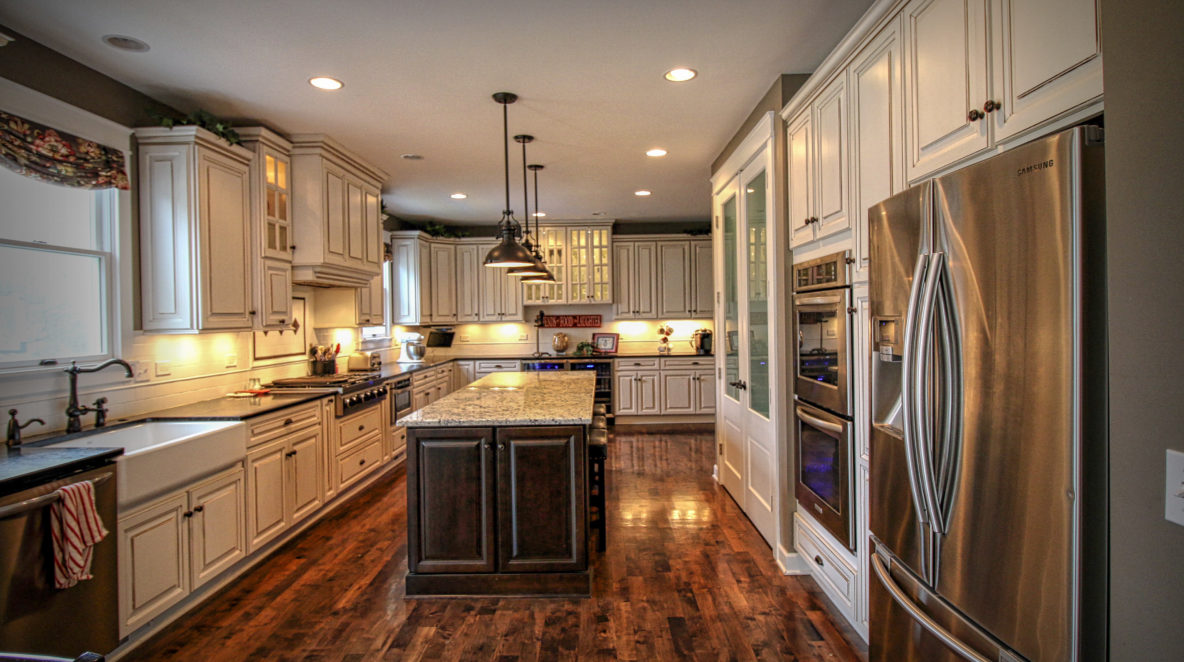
(278, 207)
(590, 268)
(552, 243)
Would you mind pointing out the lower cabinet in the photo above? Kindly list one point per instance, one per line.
(283, 483)
(504, 500)
(668, 386)
(177, 543)
(637, 393)
(358, 446)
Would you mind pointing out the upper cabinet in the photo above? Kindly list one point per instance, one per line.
(195, 231)
(410, 279)
(662, 277)
(443, 266)
(271, 227)
(982, 71)
(336, 215)
(818, 176)
(500, 294)
(635, 279)
(552, 243)
(468, 293)
(580, 257)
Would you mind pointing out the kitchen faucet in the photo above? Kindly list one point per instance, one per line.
(73, 411)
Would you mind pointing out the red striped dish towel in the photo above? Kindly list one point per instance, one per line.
(75, 526)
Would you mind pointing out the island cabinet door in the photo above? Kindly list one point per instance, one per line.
(450, 500)
(542, 509)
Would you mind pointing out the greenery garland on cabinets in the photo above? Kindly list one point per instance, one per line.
(205, 120)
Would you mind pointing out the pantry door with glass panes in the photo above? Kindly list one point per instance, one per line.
(748, 460)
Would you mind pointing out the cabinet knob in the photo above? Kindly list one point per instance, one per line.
(818, 560)
(288, 421)
(283, 321)
(975, 115)
(991, 105)
(292, 247)
(199, 509)
(361, 427)
(187, 514)
(251, 312)
(501, 446)
(361, 462)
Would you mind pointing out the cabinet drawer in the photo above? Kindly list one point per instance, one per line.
(835, 575)
(284, 422)
(423, 376)
(357, 464)
(352, 430)
(686, 362)
(497, 366)
(635, 364)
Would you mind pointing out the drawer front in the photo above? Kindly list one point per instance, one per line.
(284, 422)
(357, 464)
(497, 366)
(635, 364)
(352, 430)
(422, 377)
(832, 573)
(684, 362)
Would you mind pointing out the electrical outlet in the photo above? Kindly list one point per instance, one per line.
(464, 339)
(522, 336)
(164, 368)
(140, 370)
(1173, 498)
(232, 360)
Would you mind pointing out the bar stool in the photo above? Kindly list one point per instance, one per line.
(600, 409)
(597, 454)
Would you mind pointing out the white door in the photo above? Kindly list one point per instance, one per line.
(730, 461)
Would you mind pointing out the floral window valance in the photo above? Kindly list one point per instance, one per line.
(37, 151)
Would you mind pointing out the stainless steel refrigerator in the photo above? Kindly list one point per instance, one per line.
(988, 485)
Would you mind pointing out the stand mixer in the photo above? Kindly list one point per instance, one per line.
(411, 348)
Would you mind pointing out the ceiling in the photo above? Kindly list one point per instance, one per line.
(419, 76)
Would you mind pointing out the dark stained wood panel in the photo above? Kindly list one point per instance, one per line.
(685, 577)
(454, 530)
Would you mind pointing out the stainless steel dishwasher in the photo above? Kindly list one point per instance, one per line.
(35, 617)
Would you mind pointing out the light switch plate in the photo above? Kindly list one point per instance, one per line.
(464, 339)
(1173, 509)
(163, 368)
(232, 360)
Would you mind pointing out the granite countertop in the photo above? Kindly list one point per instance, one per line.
(513, 398)
(25, 467)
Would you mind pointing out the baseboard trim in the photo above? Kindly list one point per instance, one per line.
(670, 422)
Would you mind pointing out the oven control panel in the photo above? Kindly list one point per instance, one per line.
(351, 402)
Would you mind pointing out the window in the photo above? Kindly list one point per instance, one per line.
(56, 272)
(382, 332)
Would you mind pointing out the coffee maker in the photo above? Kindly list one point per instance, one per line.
(701, 341)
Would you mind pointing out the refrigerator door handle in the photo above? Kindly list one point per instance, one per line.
(922, 416)
(951, 437)
(908, 361)
(920, 616)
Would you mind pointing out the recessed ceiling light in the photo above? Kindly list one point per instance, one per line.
(458, 196)
(411, 157)
(657, 151)
(680, 75)
(325, 83)
(125, 43)
(642, 193)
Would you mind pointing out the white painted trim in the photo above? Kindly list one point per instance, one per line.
(745, 152)
(791, 563)
(44, 109)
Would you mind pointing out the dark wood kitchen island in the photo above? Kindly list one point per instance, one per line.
(497, 499)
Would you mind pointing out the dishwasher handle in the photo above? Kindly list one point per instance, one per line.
(22, 507)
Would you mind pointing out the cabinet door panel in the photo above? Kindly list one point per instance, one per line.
(427, 292)
(372, 225)
(645, 301)
(153, 561)
(405, 303)
(625, 394)
(489, 283)
(945, 78)
(649, 396)
(830, 124)
(541, 465)
(468, 295)
(450, 500)
(265, 494)
(443, 283)
(624, 305)
(705, 392)
(511, 298)
(1047, 59)
(355, 223)
(800, 150)
(277, 293)
(674, 278)
(678, 395)
(304, 493)
(335, 218)
(217, 530)
(224, 199)
(702, 290)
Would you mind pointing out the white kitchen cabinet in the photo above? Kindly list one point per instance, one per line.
(637, 393)
(635, 279)
(979, 72)
(283, 483)
(443, 269)
(468, 293)
(501, 293)
(463, 373)
(683, 277)
(343, 307)
(359, 445)
(589, 269)
(877, 133)
(177, 543)
(368, 303)
(705, 391)
(678, 392)
(336, 222)
(195, 231)
(271, 227)
(702, 291)
(688, 385)
(410, 279)
(1046, 58)
(490, 366)
(818, 177)
(552, 244)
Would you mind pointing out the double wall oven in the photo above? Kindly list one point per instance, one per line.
(823, 409)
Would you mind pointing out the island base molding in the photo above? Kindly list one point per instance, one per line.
(524, 584)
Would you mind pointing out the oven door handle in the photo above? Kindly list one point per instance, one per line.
(829, 300)
(826, 426)
(22, 507)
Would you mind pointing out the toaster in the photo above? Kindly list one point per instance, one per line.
(365, 362)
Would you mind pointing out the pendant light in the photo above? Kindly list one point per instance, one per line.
(548, 277)
(536, 268)
(508, 253)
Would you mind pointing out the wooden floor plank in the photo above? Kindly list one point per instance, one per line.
(685, 577)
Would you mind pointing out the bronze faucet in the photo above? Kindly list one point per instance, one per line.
(73, 411)
(13, 438)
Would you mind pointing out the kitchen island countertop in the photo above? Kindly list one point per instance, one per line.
(512, 399)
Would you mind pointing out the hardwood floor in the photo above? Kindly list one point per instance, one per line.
(685, 576)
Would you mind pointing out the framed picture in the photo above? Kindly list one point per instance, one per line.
(606, 343)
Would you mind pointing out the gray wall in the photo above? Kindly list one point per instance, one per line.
(1144, 81)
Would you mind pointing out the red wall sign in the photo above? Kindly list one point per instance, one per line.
(571, 321)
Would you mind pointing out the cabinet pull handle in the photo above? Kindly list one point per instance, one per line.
(361, 427)
(361, 462)
(501, 446)
(975, 115)
(187, 514)
(251, 312)
(199, 509)
(991, 106)
(288, 421)
(290, 454)
(818, 560)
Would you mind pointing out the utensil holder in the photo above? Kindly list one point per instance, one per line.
(327, 367)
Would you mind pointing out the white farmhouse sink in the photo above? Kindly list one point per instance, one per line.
(161, 456)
